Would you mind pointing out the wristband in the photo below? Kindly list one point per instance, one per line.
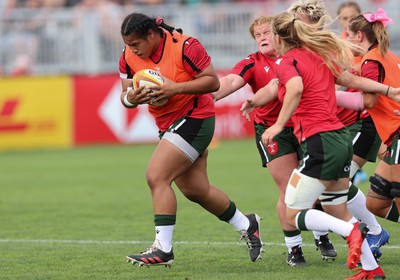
(387, 92)
(126, 101)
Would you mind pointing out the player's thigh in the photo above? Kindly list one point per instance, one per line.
(302, 190)
(192, 136)
(194, 181)
(167, 163)
(180, 146)
(284, 143)
(281, 168)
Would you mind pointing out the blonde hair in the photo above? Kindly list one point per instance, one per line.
(375, 32)
(335, 52)
(259, 21)
(313, 9)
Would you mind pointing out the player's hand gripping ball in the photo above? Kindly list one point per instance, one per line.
(149, 77)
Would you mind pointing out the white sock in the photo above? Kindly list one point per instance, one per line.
(368, 261)
(164, 236)
(293, 241)
(318, 234)
(239, 221)
(358, 208)
(354, 167)
(321, 221)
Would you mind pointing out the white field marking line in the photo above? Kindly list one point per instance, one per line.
(48, 241)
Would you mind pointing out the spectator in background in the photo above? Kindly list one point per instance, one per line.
(19, 43)
(21, 66)
(71, 3)
(54, 3)
(108, 18)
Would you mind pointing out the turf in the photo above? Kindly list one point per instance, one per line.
(76, 214)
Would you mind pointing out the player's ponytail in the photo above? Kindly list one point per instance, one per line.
(375, 31)
(160, 22)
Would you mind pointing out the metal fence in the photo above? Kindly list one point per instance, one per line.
(76, 41)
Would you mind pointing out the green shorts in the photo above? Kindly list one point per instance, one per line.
(284, 143)
(327, 155)
(191, 136)
(392, 155)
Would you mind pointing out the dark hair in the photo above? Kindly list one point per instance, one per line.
(140, 24)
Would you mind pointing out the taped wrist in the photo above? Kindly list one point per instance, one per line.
(126, 101)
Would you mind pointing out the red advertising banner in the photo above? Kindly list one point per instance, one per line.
(101, 118)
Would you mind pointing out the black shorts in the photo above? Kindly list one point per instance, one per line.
(366, 142)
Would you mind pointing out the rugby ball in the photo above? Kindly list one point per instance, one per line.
(149, 77)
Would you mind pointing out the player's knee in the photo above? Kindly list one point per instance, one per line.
(156, 179)
(395, 191)
(333, 197)
(151, 179)
(380, 186)
(291, 217)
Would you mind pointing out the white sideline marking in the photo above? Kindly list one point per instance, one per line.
(149, 242)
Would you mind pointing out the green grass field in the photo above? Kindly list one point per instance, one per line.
(76, 214)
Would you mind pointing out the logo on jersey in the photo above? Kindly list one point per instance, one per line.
(272, 148)
(266, 68)
(278, 61)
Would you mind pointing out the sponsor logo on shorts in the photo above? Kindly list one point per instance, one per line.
(272, 148)
(346, 168)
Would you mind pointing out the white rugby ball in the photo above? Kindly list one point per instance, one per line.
(149, 77)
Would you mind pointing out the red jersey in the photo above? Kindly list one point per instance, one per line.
(258, 70)
(386, 70)
(317, 110)
(348, 116)
(179, 61)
